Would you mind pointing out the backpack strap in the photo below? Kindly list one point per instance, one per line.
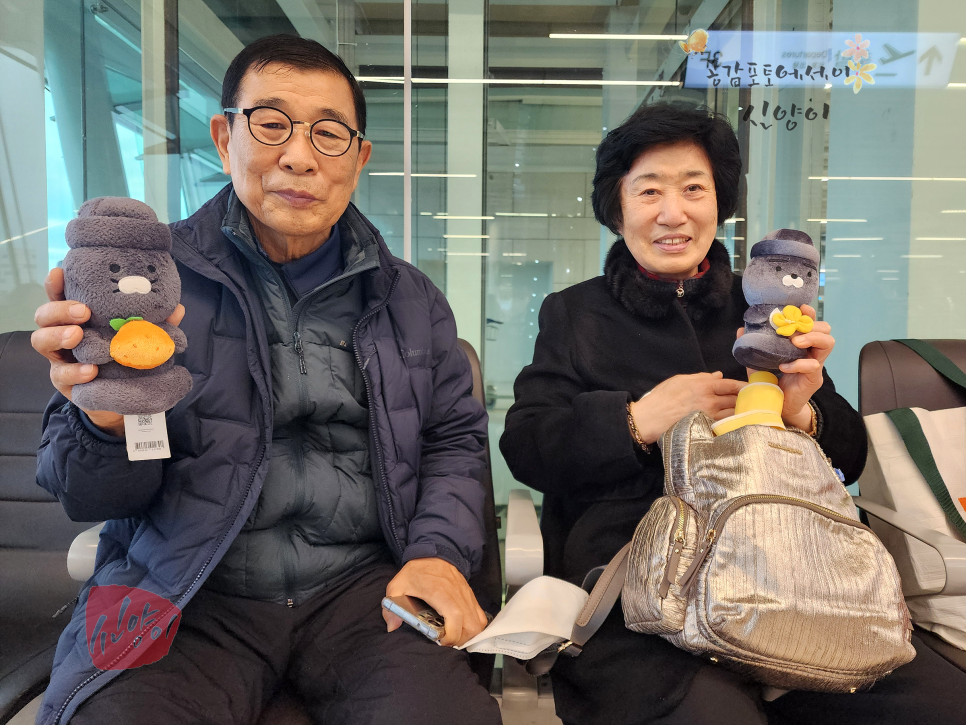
(910, 430)
(939, 362)
(599, 604)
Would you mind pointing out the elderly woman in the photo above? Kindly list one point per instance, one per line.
(662, 320)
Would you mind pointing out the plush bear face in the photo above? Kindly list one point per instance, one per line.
(116, 282)
(778, 279)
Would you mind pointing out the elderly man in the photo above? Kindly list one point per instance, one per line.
(329, 454)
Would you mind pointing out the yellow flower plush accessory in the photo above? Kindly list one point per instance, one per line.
(790, 320)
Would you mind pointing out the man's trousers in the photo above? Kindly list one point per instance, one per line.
(231, 655)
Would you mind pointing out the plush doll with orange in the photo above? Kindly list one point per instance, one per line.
(120, 266)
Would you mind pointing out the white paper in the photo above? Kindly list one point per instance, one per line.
(541, 613)
(147, 436)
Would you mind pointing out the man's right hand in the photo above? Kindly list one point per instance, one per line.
(59, 321)
(677, 396)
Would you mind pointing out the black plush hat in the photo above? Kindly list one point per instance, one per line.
(787, 242)
(118, 222)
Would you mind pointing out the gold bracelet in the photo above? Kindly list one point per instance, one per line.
(813, 428)
(635, 433)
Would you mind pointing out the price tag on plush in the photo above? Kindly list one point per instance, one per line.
(147, 437)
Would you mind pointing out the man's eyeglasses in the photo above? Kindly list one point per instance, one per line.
(273, 127)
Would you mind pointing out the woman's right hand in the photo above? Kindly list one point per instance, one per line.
(673, 399)
(59, 321)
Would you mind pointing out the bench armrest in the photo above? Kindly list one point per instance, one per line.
(951, 550)
(524, 542)
(82, 552)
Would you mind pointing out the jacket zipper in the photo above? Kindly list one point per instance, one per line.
(677, 546)
(64, 608)
(298, 349)
(680, 288)
(380, 461)
(238, 508)
(715, 525)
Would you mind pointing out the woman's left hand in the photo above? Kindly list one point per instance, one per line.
(801, 378)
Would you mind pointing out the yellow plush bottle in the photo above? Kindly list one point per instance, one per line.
(759, 403)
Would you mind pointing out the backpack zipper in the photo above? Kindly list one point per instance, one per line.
(677, 546)
(715, 525)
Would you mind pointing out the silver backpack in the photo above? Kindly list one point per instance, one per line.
(755, 558)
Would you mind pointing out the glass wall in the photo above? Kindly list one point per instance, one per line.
(847, 115)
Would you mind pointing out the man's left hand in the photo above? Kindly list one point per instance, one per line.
(802, 378)
(441, 586)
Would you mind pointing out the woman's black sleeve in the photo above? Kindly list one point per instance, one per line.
(843, 436)
(559, 434)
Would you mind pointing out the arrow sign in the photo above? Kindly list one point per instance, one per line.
(930, 56)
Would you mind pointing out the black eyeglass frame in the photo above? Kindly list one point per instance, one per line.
(247, 112)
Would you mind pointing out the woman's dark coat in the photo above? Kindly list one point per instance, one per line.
(603, 343)
(608, 341)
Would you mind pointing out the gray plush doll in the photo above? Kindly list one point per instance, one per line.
(781, 277)
(119, 265)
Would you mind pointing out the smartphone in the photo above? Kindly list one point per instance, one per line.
(416, 613)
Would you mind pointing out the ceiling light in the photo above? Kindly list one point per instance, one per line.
(888, 178)
(826, 221)
(613, 36)
(447, 216)
(518, 81)
(434, 176)
(466, 236)
(514, 213)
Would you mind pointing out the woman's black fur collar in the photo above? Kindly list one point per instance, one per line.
(651, 298)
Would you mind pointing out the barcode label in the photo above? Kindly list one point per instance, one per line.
(147, 437)
(148, 445)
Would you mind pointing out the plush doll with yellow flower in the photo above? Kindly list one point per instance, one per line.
(781, 277)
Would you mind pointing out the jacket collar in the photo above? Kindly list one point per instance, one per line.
(360, 248)
(203, 241)
(652, 299)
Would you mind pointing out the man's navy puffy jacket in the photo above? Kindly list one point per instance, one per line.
(170, 522)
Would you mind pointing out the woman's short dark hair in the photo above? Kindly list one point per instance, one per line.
(294, 52)
(664, 123)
